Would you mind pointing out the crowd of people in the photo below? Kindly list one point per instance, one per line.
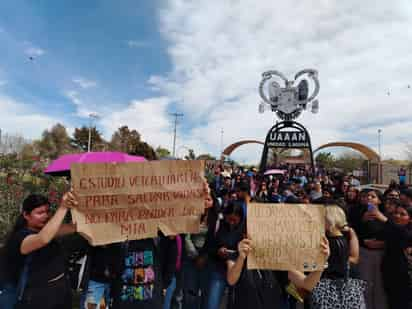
(368, 246)
(376, 225)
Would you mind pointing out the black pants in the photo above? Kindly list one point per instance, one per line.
(55, 295)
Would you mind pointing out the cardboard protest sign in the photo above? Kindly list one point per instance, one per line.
(126, 201)
(286, 236)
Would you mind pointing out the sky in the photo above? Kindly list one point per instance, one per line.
(136, 62)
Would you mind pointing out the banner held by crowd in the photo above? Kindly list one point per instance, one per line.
(126, 201)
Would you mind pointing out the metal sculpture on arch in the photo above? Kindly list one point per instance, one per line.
(288, 103)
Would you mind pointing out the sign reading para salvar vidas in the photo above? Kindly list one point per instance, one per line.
(288, 139)
(127, 201)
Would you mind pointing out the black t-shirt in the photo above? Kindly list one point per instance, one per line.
(102, 268)
(338, 259)
(397, 262)
(258, 289)
(5, 272)
(45, 263)
(139, 280)
(372, 229)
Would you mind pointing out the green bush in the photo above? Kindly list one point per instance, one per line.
(19, 178)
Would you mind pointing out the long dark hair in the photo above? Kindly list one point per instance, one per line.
(356, 199)
(234, 208)
(378, 194)
(31, 202)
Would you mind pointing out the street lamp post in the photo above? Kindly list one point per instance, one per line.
(221, 142)
(380, 143)
(176, 115)
(91, 116)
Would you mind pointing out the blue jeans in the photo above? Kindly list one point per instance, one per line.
(195, 285)
(94, 294)
(216, 288)
(169, 294)
(8, 296)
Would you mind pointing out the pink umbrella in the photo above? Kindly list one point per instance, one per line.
(61, 166)
(275, 172)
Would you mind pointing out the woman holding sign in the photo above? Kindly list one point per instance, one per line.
(35, 255)
(264, 289)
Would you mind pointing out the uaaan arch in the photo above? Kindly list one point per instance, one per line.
(229, 149)
(374, 173)
(369, 153)
(365, 150)
(375, 167)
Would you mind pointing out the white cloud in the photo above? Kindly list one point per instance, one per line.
(19, 118)
(34, 52)
(149, 117)
(218, 50)
(82, 109)
(72, 95)
(84, 83)
(137, 44)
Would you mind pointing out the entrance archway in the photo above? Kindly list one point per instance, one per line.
(229, 149)
(365, 150)
(374, 160)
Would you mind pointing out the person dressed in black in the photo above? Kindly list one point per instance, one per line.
(371, 234)
(326, 198)
(344, 254)
(397, 260)
(99, 276)
(262, 195)
(32, 243)
(260, 289)
(351, 199)
(344, 245)
(141, 271)
(221, 243)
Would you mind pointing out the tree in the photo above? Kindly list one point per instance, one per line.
(80, 139)
(325, 159)
(29, 152)
(162, 152)
(206, 157)
(125, 140)
(349, 161)
(54, 142)
(191, 155)
(128, 141)
(145, 150)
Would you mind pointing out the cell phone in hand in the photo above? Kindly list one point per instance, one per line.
(371, 207)
(231, 253)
